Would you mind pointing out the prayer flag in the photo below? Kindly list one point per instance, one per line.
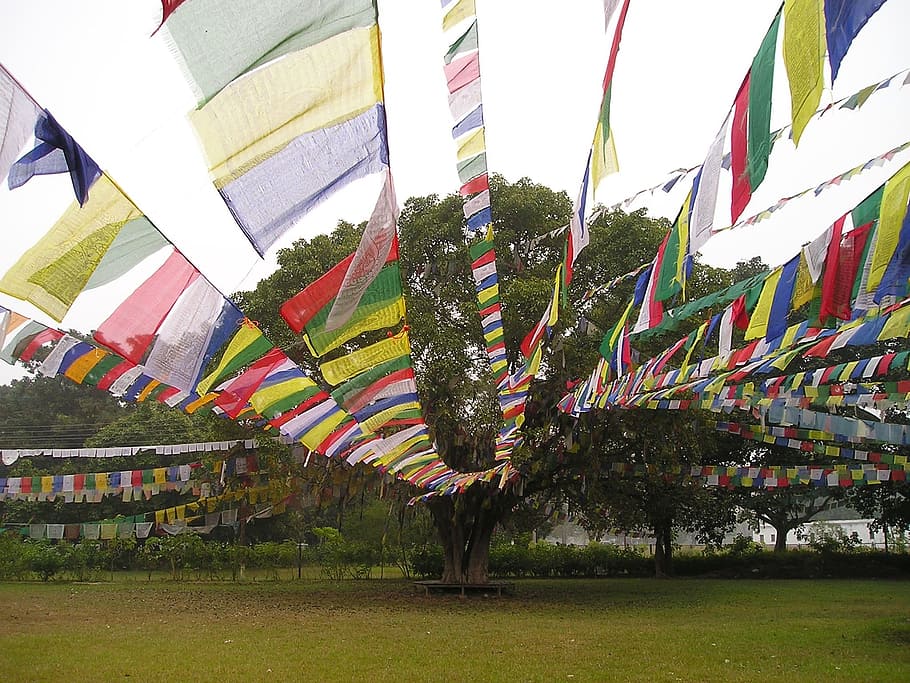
(459, 12)
(183, 338)
(381, 304)
(56, 152)
(372, 253)
(604, 160)
(844, 19)
(578, 237)
(804, 58)
(751, 133)
(18, 114)
(246, 345)
(130, 329)
(704, 202)
(893, 209)
(338, 370)
(53, 272)
(203, 35)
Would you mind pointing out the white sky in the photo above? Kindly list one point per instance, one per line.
(120, 94)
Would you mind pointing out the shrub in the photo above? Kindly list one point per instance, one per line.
(427, 561)
(45, 559)
(829, 538)
(13, 558)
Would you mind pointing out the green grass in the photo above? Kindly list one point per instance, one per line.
(547, 630)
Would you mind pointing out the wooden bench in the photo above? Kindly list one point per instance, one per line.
(492, 588)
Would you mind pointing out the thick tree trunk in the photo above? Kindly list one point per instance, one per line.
(478, 549)
(465, 525)
(663, 550)
(780, 541)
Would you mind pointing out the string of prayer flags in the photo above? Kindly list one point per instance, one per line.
(462, 73)
(262, 135)
(93, 486)
(679, 175)
(9, 456)
(486, 282)
(380, 304)
(811, 426)
(777, 476)
(23, 337)
(816, 190)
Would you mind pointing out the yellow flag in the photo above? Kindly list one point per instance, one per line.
(318, 433)
(804, 290)
(603, 160)
(894, 208)
(338, 370)
(263, 398)
(472, 145)
(683, 224)
(554, 303)
(804, 58)
(246, 336)
(461, 11)
(260, 114)
(699, 335)
(898, 325)
(758, 323)
(53, 272)
(374, 422)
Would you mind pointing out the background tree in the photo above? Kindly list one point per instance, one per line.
(456, 388)
(53, 412)
(788, 507)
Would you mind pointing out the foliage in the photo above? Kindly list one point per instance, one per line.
(830, 538)
(53, 412)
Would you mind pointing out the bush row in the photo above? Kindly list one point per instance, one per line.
(543, 560)
(183, 556)
(189, 556)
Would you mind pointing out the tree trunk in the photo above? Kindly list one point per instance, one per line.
(663, 550)
(780, 541)
(465, 524)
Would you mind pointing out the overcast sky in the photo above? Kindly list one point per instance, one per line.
(119, 93)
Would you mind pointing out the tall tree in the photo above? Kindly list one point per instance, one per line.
(456, 388)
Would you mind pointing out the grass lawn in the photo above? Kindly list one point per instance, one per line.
(553, 630)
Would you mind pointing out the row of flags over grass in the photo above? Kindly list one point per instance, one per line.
(266, 146)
